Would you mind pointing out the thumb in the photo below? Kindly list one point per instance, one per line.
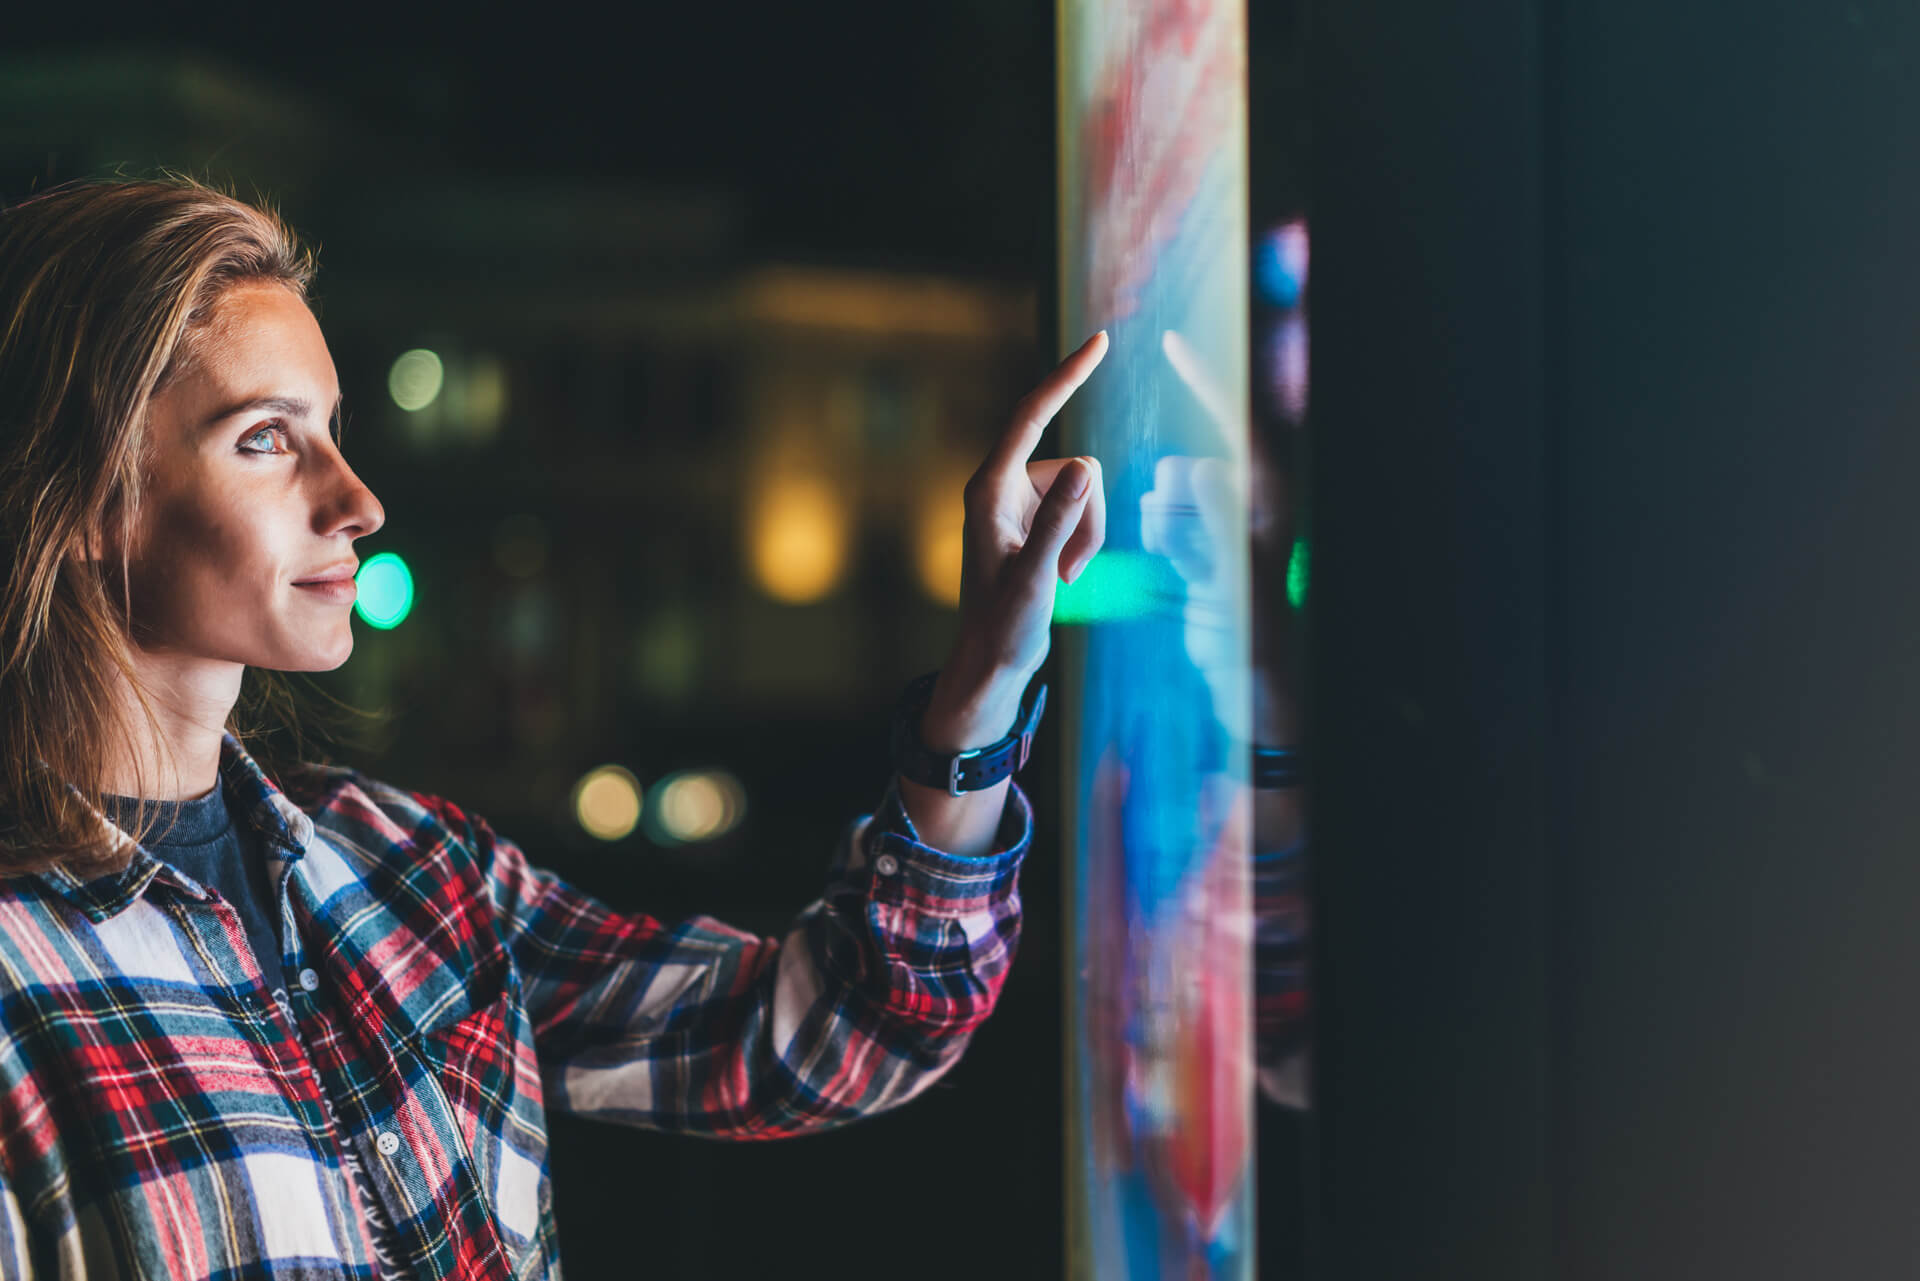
(1056, 520)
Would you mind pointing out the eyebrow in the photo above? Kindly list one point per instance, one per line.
(291, 406)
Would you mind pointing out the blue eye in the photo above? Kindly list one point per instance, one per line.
(268, 430)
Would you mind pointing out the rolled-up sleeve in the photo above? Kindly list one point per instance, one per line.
(868, 996)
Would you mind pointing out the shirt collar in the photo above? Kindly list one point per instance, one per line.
(255, 798)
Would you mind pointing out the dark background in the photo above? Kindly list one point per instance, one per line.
(595, 211)
(1615, 821)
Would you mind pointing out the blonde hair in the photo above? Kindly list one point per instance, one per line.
(102, 287)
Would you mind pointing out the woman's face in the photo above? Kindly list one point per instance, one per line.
(248, 499)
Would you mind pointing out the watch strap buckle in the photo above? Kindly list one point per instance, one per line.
(953, 769)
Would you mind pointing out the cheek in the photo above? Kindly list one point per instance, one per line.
(194, 560)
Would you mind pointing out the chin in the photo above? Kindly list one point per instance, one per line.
(339, 660)
(324, 659)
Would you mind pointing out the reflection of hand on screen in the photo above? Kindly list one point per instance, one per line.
(1184, 518)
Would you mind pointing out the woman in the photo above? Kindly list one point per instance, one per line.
(312, 1024)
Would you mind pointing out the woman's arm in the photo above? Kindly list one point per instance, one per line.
(874, 989)
(964, 713)
(1028, 525)
(867, 997)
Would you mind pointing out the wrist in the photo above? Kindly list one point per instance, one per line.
(971, 706)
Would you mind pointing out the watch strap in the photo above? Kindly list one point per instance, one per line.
(1278, 767)
(961, 772)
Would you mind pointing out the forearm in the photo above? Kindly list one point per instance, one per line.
(862, 1002)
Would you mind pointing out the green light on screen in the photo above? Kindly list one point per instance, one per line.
(1297, 574)
(386, 591)
(1118, 585)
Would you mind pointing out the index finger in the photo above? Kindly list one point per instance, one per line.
(1037, 408)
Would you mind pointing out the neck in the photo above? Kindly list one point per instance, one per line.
(191, 699)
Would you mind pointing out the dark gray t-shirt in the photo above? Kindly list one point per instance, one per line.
(210, 845)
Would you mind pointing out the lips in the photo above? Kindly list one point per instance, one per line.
(333, 583)
(332, 574)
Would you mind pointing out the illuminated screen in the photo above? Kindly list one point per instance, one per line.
(1155, 662)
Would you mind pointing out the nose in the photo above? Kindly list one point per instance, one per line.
(348, 506)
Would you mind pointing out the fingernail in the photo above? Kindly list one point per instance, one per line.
(1077, 483)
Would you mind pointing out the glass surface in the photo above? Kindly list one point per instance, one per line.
(1161, 1071)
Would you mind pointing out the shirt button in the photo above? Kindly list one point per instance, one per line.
(309, 980)
(886, 865)
(388, 1143)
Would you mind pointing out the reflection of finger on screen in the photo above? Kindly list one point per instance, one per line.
(1206, 389)
(1218, 495)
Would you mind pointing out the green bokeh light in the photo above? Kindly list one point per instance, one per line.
(415, 380)
(385, 591)
(1118, 585)
(1297, 574)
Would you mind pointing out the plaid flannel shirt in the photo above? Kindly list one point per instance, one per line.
(1281, 1005)
(162, 1116)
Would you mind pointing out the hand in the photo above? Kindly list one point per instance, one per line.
(1028, 525)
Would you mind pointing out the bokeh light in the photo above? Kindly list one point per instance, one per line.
(798, 539)
(1287, 362)
(1280, 260)
(667, 653)
(938, 542)
(606, 803)
(485, 396)
(696, 805)
(385, 591)
(1297, 569)
(415, 379)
